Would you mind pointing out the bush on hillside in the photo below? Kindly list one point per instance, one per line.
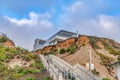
(105, 79)
(112, 50)
(3, 39)
(73, 78)
(61, 51)
(46, 78)
(30, 79)
(95, 72)
(118, 58)
(106, 60)
(52, 52)
(2, 56)
(93, 42)
(46, 53)
(26, 58)
(71, 49)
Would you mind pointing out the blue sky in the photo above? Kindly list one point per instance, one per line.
(25, 20)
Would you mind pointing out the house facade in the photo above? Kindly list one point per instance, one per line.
(58, 37)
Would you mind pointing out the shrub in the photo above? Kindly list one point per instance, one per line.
(105, 79)
(61, 51)
(118, 58)
(95, 72)
(93, 42)
(26, 58)
(46, 53)
(52, 52)
(27, 71)
(69, 75)
(68, 49)
(112, 50)
(106, 60)
(34, 71)
(73, 78)
(30, 79)
(46, 78)
(2, 56)
(3, 39)
(71, 49)
(17, 75)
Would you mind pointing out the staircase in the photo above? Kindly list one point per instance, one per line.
(61, 70)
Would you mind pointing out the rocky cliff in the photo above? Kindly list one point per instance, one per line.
(6, 42)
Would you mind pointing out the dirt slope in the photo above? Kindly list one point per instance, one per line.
(82, 57)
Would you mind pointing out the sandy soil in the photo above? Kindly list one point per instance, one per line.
(82, 57)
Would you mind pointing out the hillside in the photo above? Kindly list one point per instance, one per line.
(17, 63)
(76, 50)
(5, 41)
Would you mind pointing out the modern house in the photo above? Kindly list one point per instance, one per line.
(59, 36)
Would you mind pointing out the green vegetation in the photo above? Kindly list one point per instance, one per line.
(106, 60)
(61, 51)
(3, 38)
(71, 49)
(47, 53)
(46, 78)
(73, 78)
(95, 72)
(30, 79)
(118, 58)
(105, 79)
(93, 41)
(69, 75)
(52, 52)
(7, 54)
(112, 50)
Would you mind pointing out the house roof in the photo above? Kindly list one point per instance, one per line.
(63, 33)
(41, 41)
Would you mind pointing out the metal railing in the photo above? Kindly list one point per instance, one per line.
(78, 72)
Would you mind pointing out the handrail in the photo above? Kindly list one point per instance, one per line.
(54, 63)
(77, 66)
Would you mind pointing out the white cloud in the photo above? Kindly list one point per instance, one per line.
(33, 16)
(83, 17)
(33, 21)
(24, 31)
(109, 23)
(109, 26)
(75, 6)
